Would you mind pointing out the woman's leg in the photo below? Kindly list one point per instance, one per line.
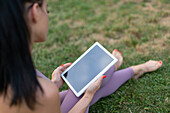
(112, 82)
(62, 95)
(116, 80)
(70, 99)
(109, 85)
(120, 77)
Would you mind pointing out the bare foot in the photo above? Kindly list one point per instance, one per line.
(148, 66)
(118, 55)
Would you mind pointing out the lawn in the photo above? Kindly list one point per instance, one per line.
(139, 29)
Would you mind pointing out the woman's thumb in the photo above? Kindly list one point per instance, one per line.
(99, 81)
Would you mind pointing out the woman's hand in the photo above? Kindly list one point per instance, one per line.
(56, 78)
(91, 90)
(83, 103)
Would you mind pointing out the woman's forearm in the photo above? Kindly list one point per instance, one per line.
(82, 104)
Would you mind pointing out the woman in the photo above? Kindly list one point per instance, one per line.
(24, 89)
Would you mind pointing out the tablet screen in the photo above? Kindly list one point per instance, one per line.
(87, 68)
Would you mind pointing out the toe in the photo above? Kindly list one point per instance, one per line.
(113, 52)
(157, 64)
(160, 63)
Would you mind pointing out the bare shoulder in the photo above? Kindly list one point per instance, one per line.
(49, 88)
(49, 100)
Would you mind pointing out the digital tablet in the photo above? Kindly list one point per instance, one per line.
(88, 68)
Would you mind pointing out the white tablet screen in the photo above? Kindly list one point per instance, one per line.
(87, 68)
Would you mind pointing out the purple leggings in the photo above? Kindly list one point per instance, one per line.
(109, 85)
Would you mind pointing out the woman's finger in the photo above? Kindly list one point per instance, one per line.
(94, 86)
(99, 81)
(61, 68)
(66, 65)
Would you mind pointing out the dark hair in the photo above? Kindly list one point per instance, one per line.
(16, 65)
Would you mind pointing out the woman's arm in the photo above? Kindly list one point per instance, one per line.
(84, 102)
(49, 101)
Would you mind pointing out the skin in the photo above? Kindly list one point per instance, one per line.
(37, 21)
(140, 69)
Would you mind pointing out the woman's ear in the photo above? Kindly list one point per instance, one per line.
(35, 13)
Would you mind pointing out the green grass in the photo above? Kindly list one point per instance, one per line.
(139, 29)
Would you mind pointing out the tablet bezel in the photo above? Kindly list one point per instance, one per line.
(97, 76)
